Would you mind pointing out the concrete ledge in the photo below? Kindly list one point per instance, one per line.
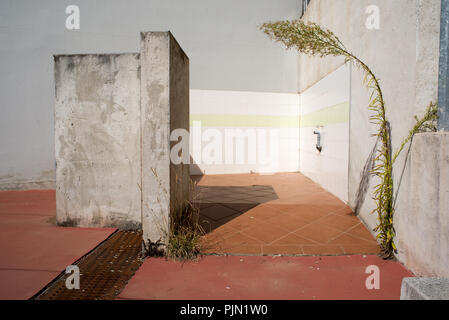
(425, 289)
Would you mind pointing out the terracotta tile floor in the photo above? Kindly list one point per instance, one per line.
(285, 213)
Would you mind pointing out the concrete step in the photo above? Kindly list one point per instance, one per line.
(425, 289)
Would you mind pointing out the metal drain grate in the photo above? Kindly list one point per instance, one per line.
(104, 272)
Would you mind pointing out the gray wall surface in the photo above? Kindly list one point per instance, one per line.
(221, 38)
(403, 54)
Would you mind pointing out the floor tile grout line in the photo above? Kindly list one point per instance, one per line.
(227, 206)
(355, 236)
(364, 240)
(290, 232)
(253, 238)
(234, 230)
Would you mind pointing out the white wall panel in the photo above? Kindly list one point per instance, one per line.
(326, 104)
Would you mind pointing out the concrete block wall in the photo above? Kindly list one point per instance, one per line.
(165, 107)
(97, 140)
(325, 109)
(114, 118)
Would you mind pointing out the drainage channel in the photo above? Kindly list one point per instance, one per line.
(104, 272)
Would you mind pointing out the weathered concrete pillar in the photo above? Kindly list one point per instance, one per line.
(164, 108)
(97, 140)
(115, 126)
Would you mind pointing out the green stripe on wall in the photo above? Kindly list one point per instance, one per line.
(327, 116)
(237, 120)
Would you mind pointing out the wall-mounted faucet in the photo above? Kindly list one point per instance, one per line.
(318, 140)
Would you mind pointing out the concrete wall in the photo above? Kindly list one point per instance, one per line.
(165, 107)
(179, 69)
(239, 131)
(115, 115)
(422, 225)
(403, 54)
(97, 138)
(325, 109)
(226, 50)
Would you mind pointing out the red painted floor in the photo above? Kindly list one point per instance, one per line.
(265, 278)
(33, 251)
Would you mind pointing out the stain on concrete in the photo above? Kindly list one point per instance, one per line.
(155, 90)
(105, 59)
(69, 222)
(70, 66)
(88, 85)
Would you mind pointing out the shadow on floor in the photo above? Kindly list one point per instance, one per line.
(219, 205)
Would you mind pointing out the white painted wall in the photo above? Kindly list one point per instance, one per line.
(272, 119)
(325, 109)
